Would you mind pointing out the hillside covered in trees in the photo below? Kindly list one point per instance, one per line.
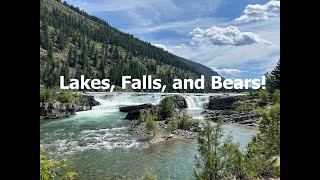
(74, 43)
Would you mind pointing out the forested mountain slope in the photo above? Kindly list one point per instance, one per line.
(74, 43)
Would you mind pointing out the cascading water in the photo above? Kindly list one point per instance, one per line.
(197, 102)
(100, 128)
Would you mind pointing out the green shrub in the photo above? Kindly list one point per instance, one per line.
(151, 125)
(276, 96)
(142, 118)
(244, 97)
(166, 108)
(65, 97)
(235, 105)
(253, 94)
(172, 126)
(264, 96)
(45, 94)
(150, 176)
(54, 169)
(245, 108)
(187, 121)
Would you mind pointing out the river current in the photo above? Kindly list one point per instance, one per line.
(98, 144)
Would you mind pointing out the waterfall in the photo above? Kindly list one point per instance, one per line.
(108, 100)
(197, 101)
(126, 99)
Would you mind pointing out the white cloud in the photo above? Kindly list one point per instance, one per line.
(256, 12)
(163, 47)
(227, 56)
(225, 71)
(230, 35)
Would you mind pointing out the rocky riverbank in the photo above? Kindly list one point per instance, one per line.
(55, 109)
(162, 135)
(224, 108)
(250, 118)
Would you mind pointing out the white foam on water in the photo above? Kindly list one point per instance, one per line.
(115, 137)
(97, 139)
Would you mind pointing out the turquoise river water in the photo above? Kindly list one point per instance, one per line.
(98, 144)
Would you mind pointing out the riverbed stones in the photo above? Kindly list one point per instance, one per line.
(250, 118)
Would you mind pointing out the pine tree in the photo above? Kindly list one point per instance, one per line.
(102, 69)
(79, 72)
(265, 145)
(50, 52)
(217, 158)
(70, 58)
(75, 57)
(166, 108)
(275, 77)
(46, 35)
(95, 58)
(61, 40)
(105, 58)
(56, 76)
(84, 57)
(65, 71)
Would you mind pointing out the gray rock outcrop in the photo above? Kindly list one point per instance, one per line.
(56, 109)
(222, 102)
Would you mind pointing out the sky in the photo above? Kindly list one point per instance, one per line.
(236, 38)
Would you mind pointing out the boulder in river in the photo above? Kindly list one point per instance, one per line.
(179, 101)
(135, 107)
(135, 111)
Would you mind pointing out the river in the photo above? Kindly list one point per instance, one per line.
(98, 144)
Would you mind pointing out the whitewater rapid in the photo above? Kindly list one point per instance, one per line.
(98, 142)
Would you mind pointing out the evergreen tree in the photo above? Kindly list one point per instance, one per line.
(275, 77)
(166, 108)
(79, 72)
(264, 96)
(61, 40)
(102, 69)
(96, 58)
(70, 57)
(56, 76)
(265, 145)
(105, 58)
(75, 57)
(84, 57)
(66, 72)
(46, 36)
(217, 158)
(50, 52)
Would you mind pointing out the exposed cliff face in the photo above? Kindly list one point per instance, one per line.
(55, 109)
